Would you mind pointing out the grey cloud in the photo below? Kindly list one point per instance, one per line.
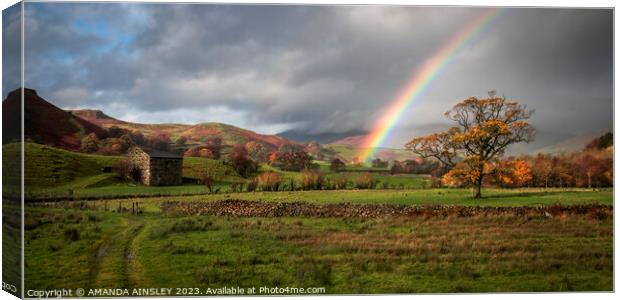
(318, 68)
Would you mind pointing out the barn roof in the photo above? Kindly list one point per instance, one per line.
(159, 153)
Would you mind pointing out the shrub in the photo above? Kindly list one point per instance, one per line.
(436, 182)
(337, 165)
(365, 181)
(122, 168)
(378, 163)
(292, 185)
(252, 186)
(90, 143)
(199, 151)
(237, 187)
(341, 182)
(207, 180)
(269, 181)
(312, 180)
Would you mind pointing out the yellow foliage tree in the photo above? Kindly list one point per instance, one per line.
(485, 128)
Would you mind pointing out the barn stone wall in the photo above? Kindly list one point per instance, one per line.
(141, 160)
(166, 171)
(156, 170)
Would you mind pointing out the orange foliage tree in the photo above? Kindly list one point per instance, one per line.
(485, 128)
(513, 173)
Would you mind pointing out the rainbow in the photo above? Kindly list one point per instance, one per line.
(420, 81)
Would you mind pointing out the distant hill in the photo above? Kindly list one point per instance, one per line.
(349, 152)
(44, 123)
(195, 134)
(323, 138)
(352, 141)
(48, 124)
(575, 143)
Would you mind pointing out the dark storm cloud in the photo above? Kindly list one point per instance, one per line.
(314, 68)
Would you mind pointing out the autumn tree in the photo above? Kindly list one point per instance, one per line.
(292, 157)
(315, 150)
(513, 173)
(205, 179)
(241, 161)
(396, 168)
(378, 163)
(561, 171)
(160, 142)
(337, 165)
(257, 151)
(90, 143)
(484, 129)
(542, 170)
(117, 132)
(603, 142)
(138, 138)
(215, 146)
(593, 168)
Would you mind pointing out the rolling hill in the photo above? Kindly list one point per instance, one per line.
(350, 152)
(571, 144)
(44, 123)
(301, 136)
(195, 134)
(50, 171)
(48, 124)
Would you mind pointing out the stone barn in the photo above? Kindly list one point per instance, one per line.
(155, 167)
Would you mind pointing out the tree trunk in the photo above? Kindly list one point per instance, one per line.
(478, 193)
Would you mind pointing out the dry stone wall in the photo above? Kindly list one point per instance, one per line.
(244, 208)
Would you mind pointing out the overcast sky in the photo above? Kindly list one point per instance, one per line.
(313, 68)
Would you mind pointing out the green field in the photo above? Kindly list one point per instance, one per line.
(494, 197)
(98, 243)
(50, 173)
(96, 246)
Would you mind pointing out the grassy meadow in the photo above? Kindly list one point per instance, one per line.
(100, 247)
(81, 233)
